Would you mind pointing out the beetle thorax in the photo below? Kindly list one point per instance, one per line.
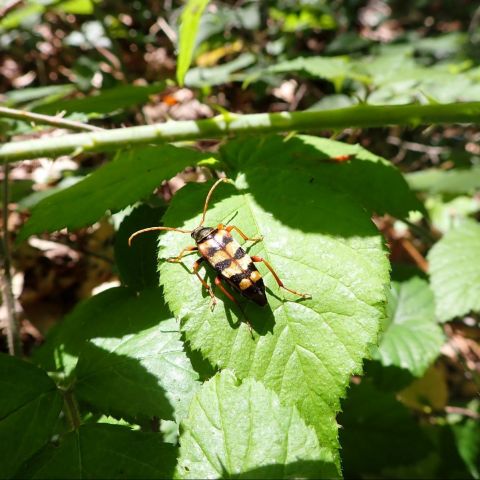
(201, 233)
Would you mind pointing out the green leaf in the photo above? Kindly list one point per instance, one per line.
(242, 431)
(377, 432)
(335, 69)
(136, 264)
(455, 272)
(131, 176)
(319, 241)
(104, 451)
(105, 102)
(412, 339)
(456, 181)
(189, 22)
(372, 180)
(218, 75)
(30, 405)
(467, 437)
(131, 359)
(145, 374)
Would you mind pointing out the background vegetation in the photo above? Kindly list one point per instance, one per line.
(117, 116)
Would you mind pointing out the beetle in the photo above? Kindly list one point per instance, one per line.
(231, 262)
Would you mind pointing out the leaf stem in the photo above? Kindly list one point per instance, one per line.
(71, 409)
(361, 116)
(55, 121)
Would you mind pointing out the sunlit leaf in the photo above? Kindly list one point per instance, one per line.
(270, 441)
(455, 271)
(411, 337)
(320, 241)
(132, 361)
(189, 23)
(131, 176)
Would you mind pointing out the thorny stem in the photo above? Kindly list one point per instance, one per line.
(54, 121)
(359, 116)
(12, 327)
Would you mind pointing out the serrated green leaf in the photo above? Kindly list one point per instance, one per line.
(145, 374)
(131, 176)
(242, 431)
(319, 241)
(103, 451)
(29, 408)
(189, 22)
(455, 272)
(136, 265)
(371, 179)
(377, 432)
(105, 102)
(131, 360)
(412, 339)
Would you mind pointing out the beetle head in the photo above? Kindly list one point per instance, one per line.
(200, 233)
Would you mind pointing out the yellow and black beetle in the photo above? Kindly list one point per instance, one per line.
(232, 263)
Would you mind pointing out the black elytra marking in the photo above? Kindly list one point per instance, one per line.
(251, 268)
(240, 253)
(211, 251)
(220, 266)
(226, 239)
(238, 277)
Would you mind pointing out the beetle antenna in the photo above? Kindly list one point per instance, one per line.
(214, 186)
(151, 229)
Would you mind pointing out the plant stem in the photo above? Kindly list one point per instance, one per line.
(59, 122)
(12, 327)
(71, 409)
(361, 116)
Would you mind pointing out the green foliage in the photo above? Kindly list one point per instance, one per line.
(455, 272)
(411, 337)
(103, 451)
(130, 359)
(144, 380)
(271, 441)
(190, 21)
(319, 241)
(29, 408)
(370, 179)
(131, 176)
(135, 266)
(455, 181)
(378, 432)
(106, 102)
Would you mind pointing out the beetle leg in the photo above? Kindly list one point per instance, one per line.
(229, 228)
(218, 283)
(191, 248)
(257, 259)
(213, 299)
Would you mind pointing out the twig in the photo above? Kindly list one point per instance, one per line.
(47, 120)
(12, 327)
(414, 254)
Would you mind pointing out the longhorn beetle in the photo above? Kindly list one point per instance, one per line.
(233, 265)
